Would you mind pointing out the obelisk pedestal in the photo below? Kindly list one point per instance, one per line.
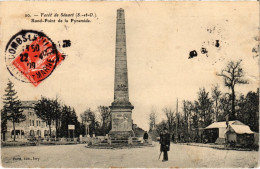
(121, 108)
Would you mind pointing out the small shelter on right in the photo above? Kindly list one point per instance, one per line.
(240, 135)
(235, 132)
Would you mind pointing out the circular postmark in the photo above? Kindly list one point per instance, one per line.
(31, 56)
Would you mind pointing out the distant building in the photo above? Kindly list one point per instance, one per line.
(32, 126)
(139, 132)
(241, 135)
(218, 131)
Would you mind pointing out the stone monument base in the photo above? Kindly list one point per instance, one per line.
(120, 135)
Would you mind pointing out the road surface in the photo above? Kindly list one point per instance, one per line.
(74, 156)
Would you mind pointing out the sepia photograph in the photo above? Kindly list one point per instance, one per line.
(129, 84)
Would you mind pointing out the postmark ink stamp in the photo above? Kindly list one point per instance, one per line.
(31, 56)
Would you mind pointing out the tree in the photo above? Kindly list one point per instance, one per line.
(195, 121)
(12, 106)
(105, 114)
(56, 108)
(3, 122)
(248, 110)
(169, 118)
(233, 74)
(44, 109)
(216, 94)
(152, 119)
(187, 109)
(204, 107)
(160, 126)
(224, 106)
(252, 107)
(69, 117)
(89, 117)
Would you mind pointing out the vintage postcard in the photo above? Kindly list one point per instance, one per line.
(131, 84)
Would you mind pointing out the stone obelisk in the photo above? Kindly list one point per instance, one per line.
(121, 108)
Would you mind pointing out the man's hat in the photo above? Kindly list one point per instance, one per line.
(165, 128)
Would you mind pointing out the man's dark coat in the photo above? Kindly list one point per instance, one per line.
(165, 139)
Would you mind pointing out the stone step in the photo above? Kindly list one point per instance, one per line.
(136, 141)
(119, 141)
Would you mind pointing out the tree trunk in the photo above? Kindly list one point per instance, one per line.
(103, 126)
(216, 110)
(233, 104)
(14, 130)
(56, 125)
(50, 130)
(3, 136)
(204, 122)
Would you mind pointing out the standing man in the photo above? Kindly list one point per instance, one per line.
(145, 137)
(165, 143)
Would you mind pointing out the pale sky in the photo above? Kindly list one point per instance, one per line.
(159, 37)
